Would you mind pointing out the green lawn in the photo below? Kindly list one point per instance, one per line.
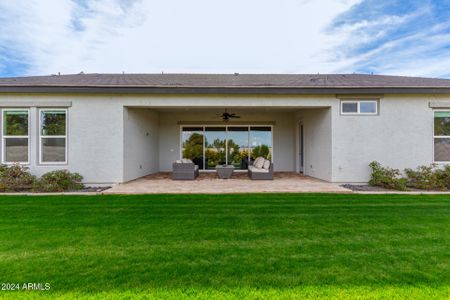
(255, 246)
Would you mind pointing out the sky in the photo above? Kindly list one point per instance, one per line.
(395, 37)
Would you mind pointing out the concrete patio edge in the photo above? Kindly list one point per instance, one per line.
(228, 193)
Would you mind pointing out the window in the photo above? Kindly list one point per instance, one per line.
(16, 138)
(53, 136)
(442, 136)
(359, 107)
(208, 146)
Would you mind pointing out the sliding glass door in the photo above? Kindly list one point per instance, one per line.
(209, 146)
(261, 141)
(237, 147)
(192, 144)
(215, 146)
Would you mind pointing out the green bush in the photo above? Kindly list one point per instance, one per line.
(15, 178)
(58, 181)
(3, 168)
(444, 176)
(262, 150)
(386, 177)
(427, 178)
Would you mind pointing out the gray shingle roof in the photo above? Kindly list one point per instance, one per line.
(225, 80)
(220, 82)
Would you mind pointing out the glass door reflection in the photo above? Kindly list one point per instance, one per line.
(215, 147)
(237, 147)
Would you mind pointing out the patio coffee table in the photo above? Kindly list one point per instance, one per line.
(224, 171)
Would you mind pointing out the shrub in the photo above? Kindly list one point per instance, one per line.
(58, 181)
(386, 177)
(15, 178)
(262, 150)
(3, 169)
(426, 178)
(444, 176)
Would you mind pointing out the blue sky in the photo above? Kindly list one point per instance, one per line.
(40, 37)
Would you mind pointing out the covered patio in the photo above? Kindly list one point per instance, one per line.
(208, 183)
(295, 139)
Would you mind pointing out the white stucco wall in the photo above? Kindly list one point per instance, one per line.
(141, 142)
(337, 148)
(401, 136)
(317, 142)
(95, 135)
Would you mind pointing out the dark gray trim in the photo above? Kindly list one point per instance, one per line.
(225, 90)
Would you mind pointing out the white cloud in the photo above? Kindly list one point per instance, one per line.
(286, 36)
(265, 36)
(396, 44)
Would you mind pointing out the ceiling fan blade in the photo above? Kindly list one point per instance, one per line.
(226, 116)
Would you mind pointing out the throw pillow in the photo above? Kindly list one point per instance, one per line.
(259, 162)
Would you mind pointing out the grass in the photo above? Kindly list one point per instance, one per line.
(255, 246)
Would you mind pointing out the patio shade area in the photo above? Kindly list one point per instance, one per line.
(155, 138)
(208, 183)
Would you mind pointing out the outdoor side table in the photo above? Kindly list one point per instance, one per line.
(224, 171)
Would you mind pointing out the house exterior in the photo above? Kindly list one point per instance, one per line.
(113, 128)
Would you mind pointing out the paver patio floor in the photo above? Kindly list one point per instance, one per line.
(209, 183)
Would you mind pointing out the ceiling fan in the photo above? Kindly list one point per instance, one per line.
(226, 116)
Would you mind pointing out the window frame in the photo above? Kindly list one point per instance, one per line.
(41, 137)
(226, 144)
(358, 107)
(4, 137)
(438, 137)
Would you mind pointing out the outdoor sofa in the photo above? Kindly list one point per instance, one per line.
(261, 169)
(184, 169)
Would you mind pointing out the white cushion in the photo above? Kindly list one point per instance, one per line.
(259, 162)
(266, 164)
(178, 161)
(256, 170)
(186, 161)
(196, 168)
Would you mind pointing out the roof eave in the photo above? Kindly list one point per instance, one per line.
(268, 90)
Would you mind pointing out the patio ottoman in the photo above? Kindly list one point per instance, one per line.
(224, 171)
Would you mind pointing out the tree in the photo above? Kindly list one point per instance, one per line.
(262, 150)
(193, 147)
(233, 152)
